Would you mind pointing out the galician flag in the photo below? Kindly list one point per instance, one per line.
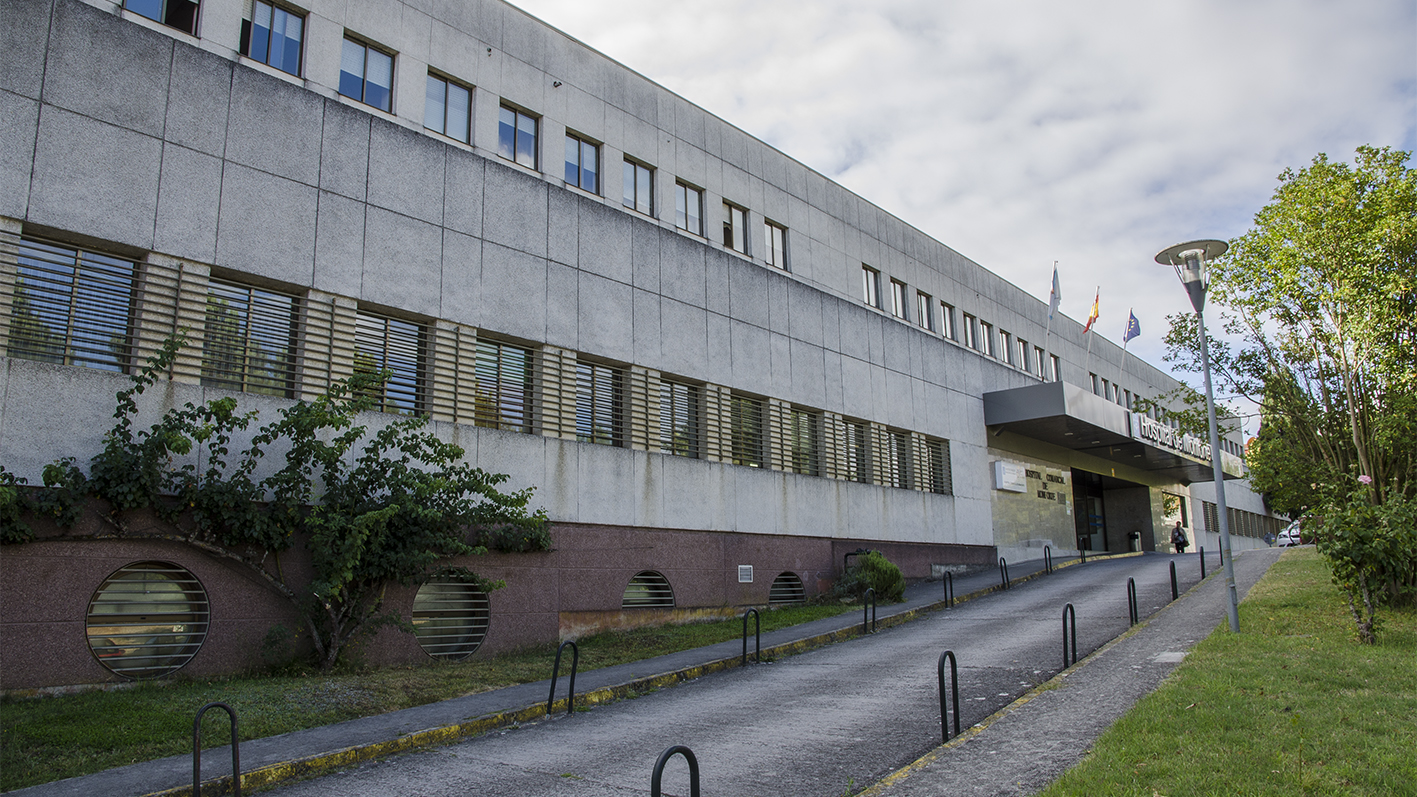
(1133, 328)
(1056, 297)
(1092, 316)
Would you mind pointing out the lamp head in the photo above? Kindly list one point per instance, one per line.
(1189, 259)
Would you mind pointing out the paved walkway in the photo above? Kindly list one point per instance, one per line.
(281, 758)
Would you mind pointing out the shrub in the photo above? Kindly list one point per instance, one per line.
(874, 571)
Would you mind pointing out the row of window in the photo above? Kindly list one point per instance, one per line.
(940, 319)
(1242, 523)
(1114, 392)
(77, 307)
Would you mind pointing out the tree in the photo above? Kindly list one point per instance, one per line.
(391, 506)
(1319, 301)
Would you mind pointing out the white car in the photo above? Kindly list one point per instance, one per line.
(1290, 536)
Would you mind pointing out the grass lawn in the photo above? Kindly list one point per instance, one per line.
(46, 739)
(1292, 705)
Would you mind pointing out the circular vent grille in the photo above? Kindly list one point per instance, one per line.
(147, 620)
(450, 618)
(648, 590)
(787, 588)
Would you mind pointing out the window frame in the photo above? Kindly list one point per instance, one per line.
(691, 407)
(99, 288)
(248, 28)
(971, 332)
(266, 314)
(804, 441)
(514, 410)
(1006, 342)
(899, 306)
(856, 451)
(986, 336)
(448, 85)
(407, 391)
(600, 403)
(871, 286)
(898, 460)
(748, 442)
(167, 15)
(775, 244)
(510, 137)
(947, 317)
(352, 40)
(688, 198)
(736, 231)
(582, 146)
(925, 310)
(938, 467)
(633, 187)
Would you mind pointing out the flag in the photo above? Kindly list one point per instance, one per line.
(1092, 316)
(1056, 296)
(1133, 328)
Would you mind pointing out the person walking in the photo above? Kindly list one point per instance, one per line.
(1178, 538)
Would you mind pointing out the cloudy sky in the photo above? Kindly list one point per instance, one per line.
(1093, 133)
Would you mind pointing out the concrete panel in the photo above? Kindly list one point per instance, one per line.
(265, 225)
(856, 394)
(716, 280)
(339, 244)
(107, 69)
(275, 127)
(757, 500)
(778, 318)
(198, 100)
(188, 197)
(804, 307)
(51, 411)
(19, 123)
(606, 486)
(462, 192)
(344, 151)
(752, 358)
(22, 42)
(559, 489)
(562, 304)
(403, 262)
(563, 226)
(645, 253)
(720, 350)
(514, 210)
(606, 318)
(685, 348)
(649, 490)
(895, 352)
(407, 176)
(681, 270)
(460, 297)
(649, 342)
(521, 456)
(695, 493)
(604, 243)
(809, 384)
(95, 177)
(779, 348)
(748, 292)
(513, 292)
(855, 325)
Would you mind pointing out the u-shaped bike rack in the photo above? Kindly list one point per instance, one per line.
(868, 598)
(1068, 613)
(1201, 551)
(197, 750)
(1132, 600)
(757, 636)
(1048, 559)
(658, 775)
(1004, 572)
(954, 689)
(556, 671)
(949, 585)
(1174, 592)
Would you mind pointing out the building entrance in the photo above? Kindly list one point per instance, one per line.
(1089, 512)
(1112, 514)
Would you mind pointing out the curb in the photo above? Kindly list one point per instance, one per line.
(321, 763)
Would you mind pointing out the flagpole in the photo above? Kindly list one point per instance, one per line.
(1053, 298)
(1087, 369)
(1126, 338)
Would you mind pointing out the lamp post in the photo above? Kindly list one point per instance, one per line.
(1189, 259)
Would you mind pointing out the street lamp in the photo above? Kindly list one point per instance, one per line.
(1189, 261)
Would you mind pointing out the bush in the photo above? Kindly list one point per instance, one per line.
(1372, 550)
(873, 571)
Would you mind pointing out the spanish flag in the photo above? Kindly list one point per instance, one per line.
(1092, 316)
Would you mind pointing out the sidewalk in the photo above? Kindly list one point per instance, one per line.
(299, 754)
(1025, 746)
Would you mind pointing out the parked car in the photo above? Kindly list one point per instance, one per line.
(1291, 536)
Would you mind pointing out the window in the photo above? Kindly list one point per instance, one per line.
(388, 344)
(600, 404)
(775, 239)
(898, 295)
(503, 398)
(937, 455)
(925, 310)
(746, 418)
(582, 164)
(450, 618)
(639, 187)
(1128, 405)
(735, 228)
(367, 75)
(787, 588)
(1023, 360)
(180, 14)
(971, 332)
(1006, 343)
(857, 452)
(648, 590)
(897, 460)
(249, 339)
(1057, 369)
(1096, 386)
(272, 35)
(871, 286)
(71, 306)
(448, 108)
(688, 208)
(679, 419)
(947, 321)
(516, 136)
(1038, 358)
(986, 337)
(147, 619)
(803, 434)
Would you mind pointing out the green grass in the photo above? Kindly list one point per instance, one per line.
(1292, 705)
(46, 739)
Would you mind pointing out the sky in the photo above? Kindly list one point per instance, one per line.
(1093, 133)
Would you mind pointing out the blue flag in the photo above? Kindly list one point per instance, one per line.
(1133, 328)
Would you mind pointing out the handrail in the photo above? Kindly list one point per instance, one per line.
(1048, 559)
(869, 597)
(757, 636)
(1004, 572)
(954, 684)
(556, 671)
(197, 750)
(1174, 592)
(949, 585)
(656, 778)
(1132, 600)
(1068, 611)
(845, 563)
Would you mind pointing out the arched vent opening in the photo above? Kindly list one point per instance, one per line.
(787, 588)
(648, 590)
(450, 618)
(147, 619)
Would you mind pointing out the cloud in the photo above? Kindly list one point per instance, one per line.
(1094, 133)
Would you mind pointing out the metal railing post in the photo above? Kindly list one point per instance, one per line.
(1068, 612)
(655, 779)
(197, 750)
(1132, 600)
(869, 597)
(1048, 559)
(1201, 550)
(1004, 572)
(556, 671)
(757, 636)
(954, 689)
(949, 584)
(1174, 592)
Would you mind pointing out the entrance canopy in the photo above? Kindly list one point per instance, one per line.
(1066, 415)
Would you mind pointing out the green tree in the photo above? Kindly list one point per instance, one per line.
(1319, 301)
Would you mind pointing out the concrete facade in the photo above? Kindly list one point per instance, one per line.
(125, 137)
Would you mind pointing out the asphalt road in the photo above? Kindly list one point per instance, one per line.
(817, 724)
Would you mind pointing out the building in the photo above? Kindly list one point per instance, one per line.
(721, 370)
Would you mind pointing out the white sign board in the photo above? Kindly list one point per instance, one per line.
(1009, 476)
